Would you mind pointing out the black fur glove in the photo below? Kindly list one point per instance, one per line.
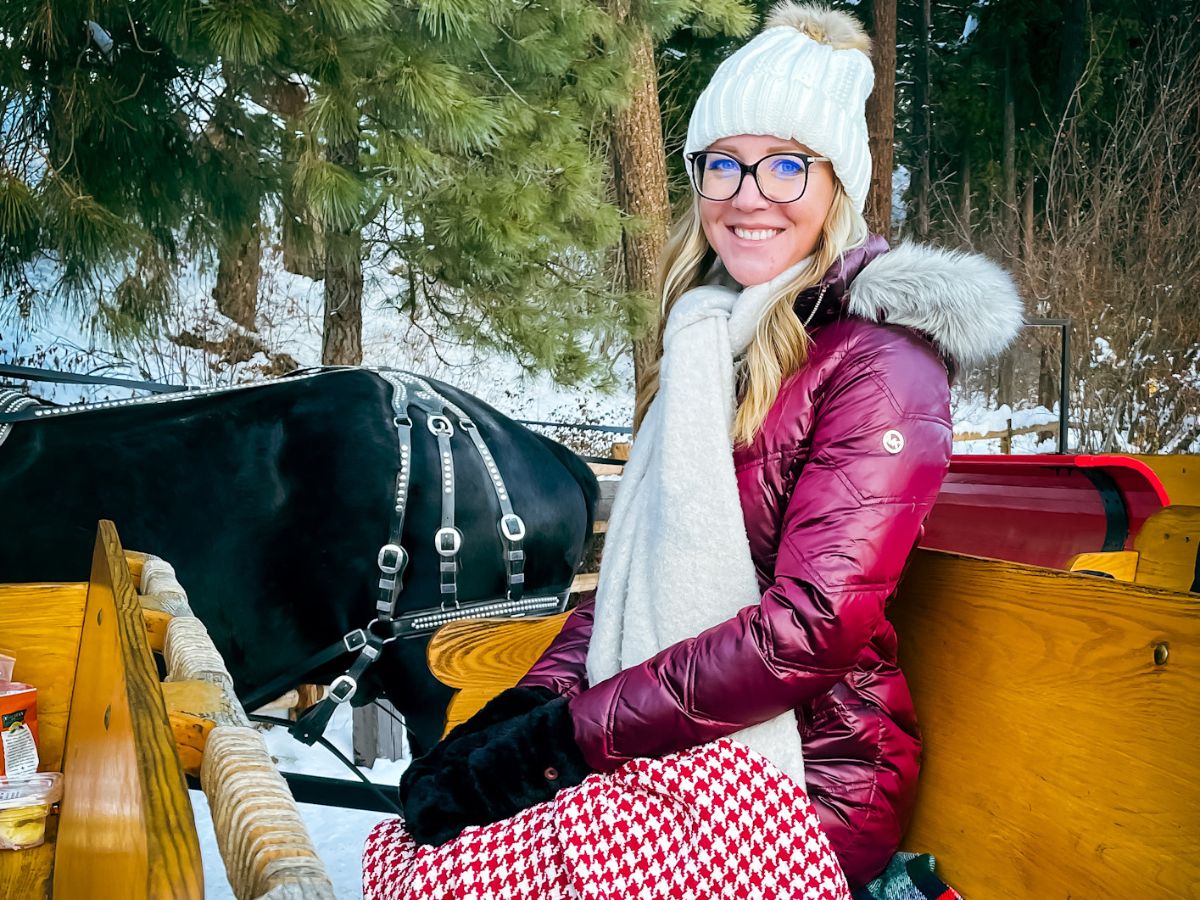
(495, 773)
(504, 706)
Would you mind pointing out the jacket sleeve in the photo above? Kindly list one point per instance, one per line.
(563, 666)
(881, 440)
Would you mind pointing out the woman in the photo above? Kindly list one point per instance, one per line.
(791, 442)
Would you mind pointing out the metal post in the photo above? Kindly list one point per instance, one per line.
(1064, 373)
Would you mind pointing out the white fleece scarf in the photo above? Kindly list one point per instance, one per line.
(677, 559)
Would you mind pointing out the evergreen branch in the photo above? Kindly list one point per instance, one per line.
(496, 72)
(133, 33)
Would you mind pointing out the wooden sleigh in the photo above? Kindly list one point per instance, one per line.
(1058, 711)
(125, 742)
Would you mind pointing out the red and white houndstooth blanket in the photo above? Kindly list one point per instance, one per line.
(718, 821)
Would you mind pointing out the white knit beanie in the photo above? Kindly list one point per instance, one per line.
(806, 78)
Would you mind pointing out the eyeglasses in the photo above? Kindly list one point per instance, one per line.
(781, 177)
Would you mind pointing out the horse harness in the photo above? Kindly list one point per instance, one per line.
(11, 403)
(441, 415)
(392, 559)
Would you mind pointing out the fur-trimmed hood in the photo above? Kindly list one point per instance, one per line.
(965, 303)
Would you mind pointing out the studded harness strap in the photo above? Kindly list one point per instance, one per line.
(12, 402)
(410, 391)
(510, 525)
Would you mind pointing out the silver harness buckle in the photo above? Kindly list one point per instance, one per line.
(512, 527)
(392, 559)
(342, 688)
(455, 541)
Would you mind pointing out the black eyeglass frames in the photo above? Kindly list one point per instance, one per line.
(781, 177)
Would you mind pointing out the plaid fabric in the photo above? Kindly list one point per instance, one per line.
(909, 876)
(718, 821)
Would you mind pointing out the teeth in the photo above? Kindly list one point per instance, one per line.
(763, 234)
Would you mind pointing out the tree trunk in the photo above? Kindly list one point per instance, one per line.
(964, 209)
(1010, 160)
(1071, 59)
(341, 341)
(1027, 221)
(299, 240)
(238, 271)
(1047, 381)
(921, 121)
(881, 117)
(1047, 378)
(639, 164)
(1005, 375)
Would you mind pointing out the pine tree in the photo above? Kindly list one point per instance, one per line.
(103, 174)
(459, 145)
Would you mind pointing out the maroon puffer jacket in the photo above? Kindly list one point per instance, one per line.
(834, 491)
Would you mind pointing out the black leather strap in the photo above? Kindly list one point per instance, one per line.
(510, 525)
(392, 559)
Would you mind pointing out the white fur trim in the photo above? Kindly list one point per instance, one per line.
(965, 302)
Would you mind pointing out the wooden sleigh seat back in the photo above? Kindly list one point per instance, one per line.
(1060, 754)
(125, 827)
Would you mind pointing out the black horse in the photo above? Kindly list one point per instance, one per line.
(272, 502)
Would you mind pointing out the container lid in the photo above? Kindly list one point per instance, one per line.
(30, 790)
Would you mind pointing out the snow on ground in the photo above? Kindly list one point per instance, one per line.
(972, 414)
(337, 834)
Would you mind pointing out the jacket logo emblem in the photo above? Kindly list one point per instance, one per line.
(893, 441)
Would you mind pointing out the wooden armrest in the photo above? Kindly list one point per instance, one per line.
(482, 657)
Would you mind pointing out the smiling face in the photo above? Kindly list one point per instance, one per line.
(757, 238)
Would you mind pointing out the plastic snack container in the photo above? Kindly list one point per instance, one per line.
(25, 802)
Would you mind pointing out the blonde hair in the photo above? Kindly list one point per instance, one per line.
(780, 344)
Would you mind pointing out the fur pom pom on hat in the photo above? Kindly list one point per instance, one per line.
(806, 78)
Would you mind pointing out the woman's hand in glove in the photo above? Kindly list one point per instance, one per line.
(504, 706)
(493, 774)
